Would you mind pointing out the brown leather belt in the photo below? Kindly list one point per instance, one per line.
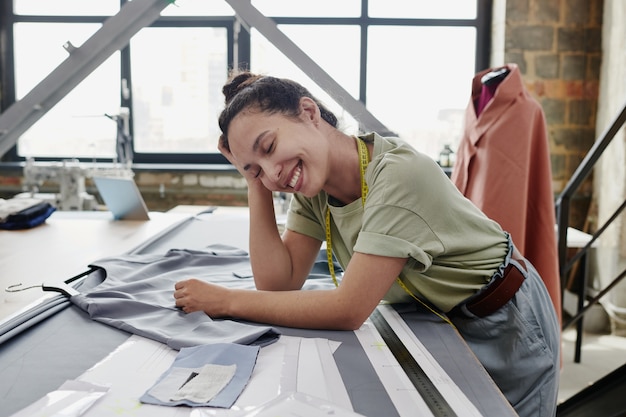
(498, 293)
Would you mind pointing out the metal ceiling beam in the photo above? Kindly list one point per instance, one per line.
(114, 35)
(251, 17)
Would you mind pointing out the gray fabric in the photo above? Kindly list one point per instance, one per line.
(137, 296)
(217, 354)
(17, 324)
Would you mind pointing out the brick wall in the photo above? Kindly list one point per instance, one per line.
(557, 45)
(165, 190)
(161, 190)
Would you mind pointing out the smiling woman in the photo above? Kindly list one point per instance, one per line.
(400, 229)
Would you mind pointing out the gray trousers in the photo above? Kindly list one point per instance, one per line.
(519, 346)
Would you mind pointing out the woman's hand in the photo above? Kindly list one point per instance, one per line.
(226, 153)
(254, 184)
(195, 295)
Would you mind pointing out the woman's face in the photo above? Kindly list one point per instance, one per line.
(284, 153)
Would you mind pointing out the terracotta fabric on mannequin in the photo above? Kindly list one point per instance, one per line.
(503, 166)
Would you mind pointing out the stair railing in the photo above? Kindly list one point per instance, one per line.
(563, 203)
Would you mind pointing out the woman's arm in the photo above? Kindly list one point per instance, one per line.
(365, 282)
(278, 263)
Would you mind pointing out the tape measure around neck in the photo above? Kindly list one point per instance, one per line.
(363, 162)
(364, 159)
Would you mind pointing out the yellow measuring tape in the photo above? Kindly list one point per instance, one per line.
(363, 162)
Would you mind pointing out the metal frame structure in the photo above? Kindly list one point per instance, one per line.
(114, 34)
(117, 31)
(251, 17)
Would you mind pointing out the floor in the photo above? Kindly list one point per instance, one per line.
(601, 354)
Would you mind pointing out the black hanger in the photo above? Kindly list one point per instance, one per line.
(495, 76)
(60, 287)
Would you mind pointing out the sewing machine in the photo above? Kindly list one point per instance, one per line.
(70, 175)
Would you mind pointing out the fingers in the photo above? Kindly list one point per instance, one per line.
(185, 295)
(196, 295)
(223, 150)
(180, 296)
(187, 309)
(226, 152)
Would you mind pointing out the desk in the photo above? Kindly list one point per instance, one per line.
(59, 248)
(68, 343)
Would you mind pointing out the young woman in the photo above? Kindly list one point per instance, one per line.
(398, 226)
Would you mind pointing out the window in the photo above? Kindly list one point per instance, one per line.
(422, 93)
(339, 63)
(77, 126)
(65, 7)
(410, 63)
(177, 88)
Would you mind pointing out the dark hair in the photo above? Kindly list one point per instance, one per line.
(267, 94)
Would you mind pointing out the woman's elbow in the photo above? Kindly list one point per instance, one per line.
(351, 320)
(275, 286)
(274, 283)
(355, 325)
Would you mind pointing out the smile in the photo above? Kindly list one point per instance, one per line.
(296, 176)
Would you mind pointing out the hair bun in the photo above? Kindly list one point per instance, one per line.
(237, 82)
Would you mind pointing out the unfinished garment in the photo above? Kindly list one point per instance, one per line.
(136, 295)
(503, 167)
(225, 367)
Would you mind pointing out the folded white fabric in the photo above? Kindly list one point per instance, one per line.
(15, 205)
(205, 383)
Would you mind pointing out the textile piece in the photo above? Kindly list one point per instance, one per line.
(17, 215)
(136, 295)
(15, 205)
(503, 167)
(203, 384)
(234, 361)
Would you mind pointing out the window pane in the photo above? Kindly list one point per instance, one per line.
(421, 9)
(318, 8)
(340, 63)
(177, 79)
(39, 49)
(198, 8)
(422, 92)
(77, 125)
(66, 7)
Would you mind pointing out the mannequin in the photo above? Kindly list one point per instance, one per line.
(503, 166)
(490, 82)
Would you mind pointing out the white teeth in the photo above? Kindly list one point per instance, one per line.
(296, 176)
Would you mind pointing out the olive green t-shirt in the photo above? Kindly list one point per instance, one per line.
(412, 211)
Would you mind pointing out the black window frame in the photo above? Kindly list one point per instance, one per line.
(482, 24)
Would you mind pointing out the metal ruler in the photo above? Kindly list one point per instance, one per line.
(425, 387)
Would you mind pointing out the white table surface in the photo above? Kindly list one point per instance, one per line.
(63, 246)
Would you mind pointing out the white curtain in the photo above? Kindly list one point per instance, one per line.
(610, 173)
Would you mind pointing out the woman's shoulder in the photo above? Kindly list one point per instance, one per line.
(396, 156)
(400, 175)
